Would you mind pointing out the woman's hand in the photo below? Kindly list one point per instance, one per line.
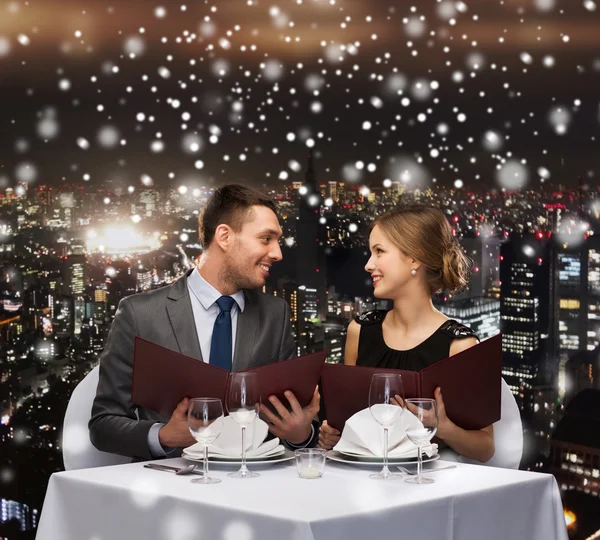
(474, 444)
(328, 436)
(444, 423)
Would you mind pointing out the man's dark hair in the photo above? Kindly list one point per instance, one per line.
(230, 205)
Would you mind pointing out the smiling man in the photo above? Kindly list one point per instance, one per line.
(214, 313)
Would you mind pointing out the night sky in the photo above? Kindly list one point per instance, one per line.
(202, 93)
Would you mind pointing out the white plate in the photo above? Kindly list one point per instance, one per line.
(372, 461)
(279, 458)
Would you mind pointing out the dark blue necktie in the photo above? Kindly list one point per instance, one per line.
(221, 342)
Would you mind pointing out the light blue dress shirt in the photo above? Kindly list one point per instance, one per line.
(203, 297)
(204, 305)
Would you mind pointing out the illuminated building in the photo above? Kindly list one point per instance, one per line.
(485, 274)
(45, 349)
(92, 338)
(311, 238)
(362, 305)
(333, 341)
(76, 266)
(577, 303)
(78, 314)
(100, 295)
(144, 280)
(21, 513)
(347, 310)
(593, 294)
(149, 201)
(311, 265)
(525, 275)
(571, 330)
(308, 314)
(62, 319)
(482, 315)
(99, 312)
(333, 192)
(575, 445)
(287, 290)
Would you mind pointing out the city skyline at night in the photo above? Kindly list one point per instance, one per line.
(60, 291)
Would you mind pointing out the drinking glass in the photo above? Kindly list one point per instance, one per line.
(420, 433)
(205, 422)
(386, 397)
(243, 400)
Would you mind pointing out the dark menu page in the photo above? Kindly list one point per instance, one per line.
(162, 377)
(470, 383)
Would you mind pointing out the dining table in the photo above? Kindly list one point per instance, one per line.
(466, 502)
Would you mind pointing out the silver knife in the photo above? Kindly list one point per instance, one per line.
(191, 469)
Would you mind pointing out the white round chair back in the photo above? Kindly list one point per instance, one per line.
(508, 435)
(77, 449)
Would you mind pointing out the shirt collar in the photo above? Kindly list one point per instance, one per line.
(207, 295)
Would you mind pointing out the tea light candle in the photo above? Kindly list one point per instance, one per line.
(310, 462)
(310, 472)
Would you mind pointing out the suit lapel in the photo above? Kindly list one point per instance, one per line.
(181, 317)
(247, 324)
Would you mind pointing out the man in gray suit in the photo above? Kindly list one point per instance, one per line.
(216, 301)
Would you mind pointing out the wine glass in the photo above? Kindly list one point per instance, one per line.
(420, 433)
(386, 397)
(205, 422)
(243, 400)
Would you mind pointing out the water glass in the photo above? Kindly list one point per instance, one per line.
(386, 397)
(420, 433)
(205, 421)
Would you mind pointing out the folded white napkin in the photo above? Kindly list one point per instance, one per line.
(229, 443)
(363, 436)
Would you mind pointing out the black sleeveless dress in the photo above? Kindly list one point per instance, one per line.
(373, 351)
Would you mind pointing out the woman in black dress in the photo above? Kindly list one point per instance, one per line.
(414, 255)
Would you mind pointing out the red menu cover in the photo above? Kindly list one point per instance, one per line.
(470, 383)
(162, 377)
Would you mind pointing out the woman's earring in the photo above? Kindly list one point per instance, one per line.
(413, 272)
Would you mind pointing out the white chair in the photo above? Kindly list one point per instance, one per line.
(77, 449)
(508, 436)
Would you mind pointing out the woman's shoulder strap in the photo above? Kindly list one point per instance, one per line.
(455, 330)
(371, 317)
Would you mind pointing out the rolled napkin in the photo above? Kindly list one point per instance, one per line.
(363, 436)
(229, 443)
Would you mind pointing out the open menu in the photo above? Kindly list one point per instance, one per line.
(470, 383)
(162, 377)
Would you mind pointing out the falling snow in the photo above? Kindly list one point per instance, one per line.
(405, 94)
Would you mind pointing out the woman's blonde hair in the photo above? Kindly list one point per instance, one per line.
(423, 233)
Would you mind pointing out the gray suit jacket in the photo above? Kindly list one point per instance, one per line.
(165, 317)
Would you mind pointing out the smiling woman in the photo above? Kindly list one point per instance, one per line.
(413, 256)
(423, 234)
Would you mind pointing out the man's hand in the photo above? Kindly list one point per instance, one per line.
(328, 436)
(294, 426)
(176, 432)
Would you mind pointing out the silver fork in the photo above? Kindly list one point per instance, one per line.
(414, 473)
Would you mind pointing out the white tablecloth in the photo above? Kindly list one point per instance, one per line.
(470, 502)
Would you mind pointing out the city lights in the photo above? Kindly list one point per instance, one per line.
(121, 241)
